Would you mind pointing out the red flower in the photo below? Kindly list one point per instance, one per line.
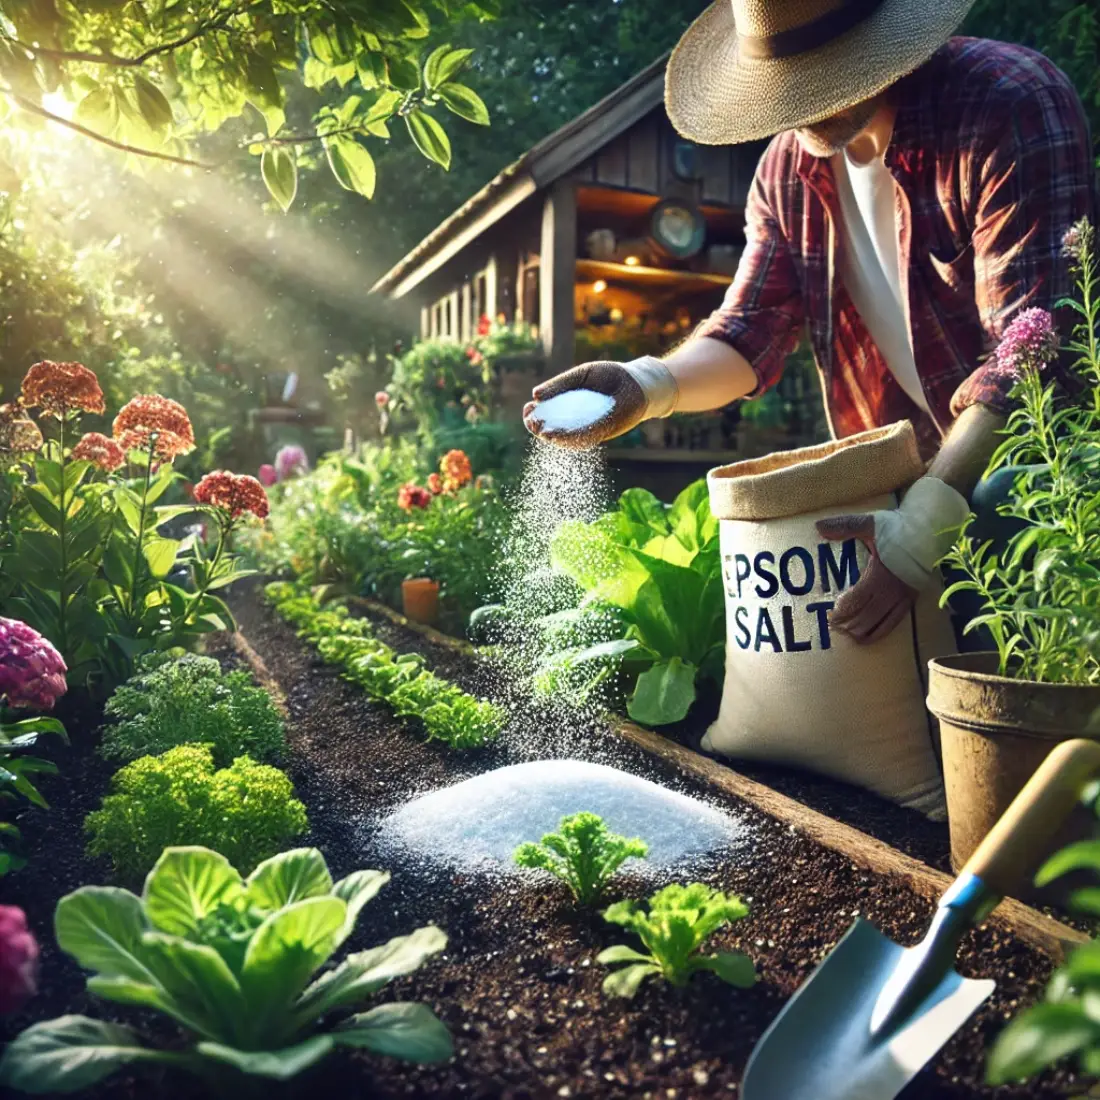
(381, 399)
(435, 484)
(18, 960)
(474, 355)
(455, 467)
(61, 388)
(32, 672)
(411, 496)
(484, 325)
(98, 448)
(152, 419)
(233, 493)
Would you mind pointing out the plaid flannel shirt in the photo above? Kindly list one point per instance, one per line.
(993, 163)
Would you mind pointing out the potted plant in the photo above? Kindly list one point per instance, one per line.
(1001, 711)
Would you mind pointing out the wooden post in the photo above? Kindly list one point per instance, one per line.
(425, 322)
(453, 305)
(491, 307)
(557, 274)
(466, 324)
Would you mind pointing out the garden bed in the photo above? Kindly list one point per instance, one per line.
(518, 985)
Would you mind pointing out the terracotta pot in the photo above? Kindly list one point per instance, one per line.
(420, 600)
(994, 733)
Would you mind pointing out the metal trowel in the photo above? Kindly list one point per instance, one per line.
(873, 1013)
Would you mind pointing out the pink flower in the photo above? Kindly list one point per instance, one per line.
(381, 399)
(268, 475)
(291, 461)
(32, 672)
(18, 960)
(1028, 343)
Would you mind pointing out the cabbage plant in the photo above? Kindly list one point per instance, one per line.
(234, 962)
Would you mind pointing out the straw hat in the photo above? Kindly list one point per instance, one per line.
(747, 69)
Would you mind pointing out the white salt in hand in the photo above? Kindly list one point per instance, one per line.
(572, 411)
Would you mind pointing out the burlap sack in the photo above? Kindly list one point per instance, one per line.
(797, 692)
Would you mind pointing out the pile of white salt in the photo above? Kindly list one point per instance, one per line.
(573, 410)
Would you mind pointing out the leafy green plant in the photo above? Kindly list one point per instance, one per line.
(17, 767)
(446, 712)
(660, 567)
(678, 922)
(583, 853)
(1041, 592)
(190, 700)
(246, 810)
(230, 960)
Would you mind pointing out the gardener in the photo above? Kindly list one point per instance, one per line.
(911, 204)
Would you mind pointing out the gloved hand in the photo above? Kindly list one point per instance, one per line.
(641, 389)
(905, 544)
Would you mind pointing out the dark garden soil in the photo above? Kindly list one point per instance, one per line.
(518, 985)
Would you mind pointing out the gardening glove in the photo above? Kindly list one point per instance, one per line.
(905, 544)
(641, 389)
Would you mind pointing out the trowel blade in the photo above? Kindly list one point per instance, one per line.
(821, 1046)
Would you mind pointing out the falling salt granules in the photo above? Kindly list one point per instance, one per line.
(481, 822)
(573, 410)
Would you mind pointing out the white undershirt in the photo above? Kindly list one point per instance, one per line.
(870, 265)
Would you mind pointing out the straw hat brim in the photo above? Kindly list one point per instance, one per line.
(714, 96)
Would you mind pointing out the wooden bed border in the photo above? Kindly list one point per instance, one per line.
(1050, 936)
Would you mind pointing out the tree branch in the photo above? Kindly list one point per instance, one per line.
(107, 58)
(34, 109)
(307, 139)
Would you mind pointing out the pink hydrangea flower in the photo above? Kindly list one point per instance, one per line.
(291, 461)
(1028, 343)
(18, 960)
(267, 475)
(32, 672)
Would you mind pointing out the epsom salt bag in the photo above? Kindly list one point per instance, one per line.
(797, 692)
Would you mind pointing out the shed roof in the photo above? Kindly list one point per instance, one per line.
(549, 160)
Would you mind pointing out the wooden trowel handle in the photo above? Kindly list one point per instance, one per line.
(1012, 850)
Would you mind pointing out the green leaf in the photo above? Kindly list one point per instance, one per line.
(1084, 854)
(1041, 1036)
(42, 503)
(153, 105)
(401, 1029)
(429, 137)
(404, 73)
(731, 967)
(280, 1065)
(102, 928)
(664, 693)
(160, 554)
(625, 982)
(279, 168)
(71, 1053)
(364, 973)
(98, 111)
(621, 953)
(444, 64)
(289, 877)
(185, 885)
(464, 102)
(356, 890)
(351, 164)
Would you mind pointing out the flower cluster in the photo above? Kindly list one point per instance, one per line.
(100, 449)
(233, 493)
(435, 484)
(456, 470)
(411, 496)
(268, 475)
(61, 388)
(18, 435)
(1028, 343)
(32, 672)
(291, 461)
(1079, 240)
(150, 420)
(18, 960)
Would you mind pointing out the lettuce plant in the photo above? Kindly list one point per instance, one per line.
(583, 853)
(190, 700)
(230, 960)
(679, 920)
(248, 810)
(659, 567)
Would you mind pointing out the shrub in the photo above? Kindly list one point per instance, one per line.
(247, 811)
(191, 701)
(679, 920)
(583, 853)
(230, 961)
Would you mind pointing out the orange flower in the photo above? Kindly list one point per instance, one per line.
(61, 388)
(455, 467)
(233, 493)
(435, 485)
(152, 419)
(103, 451)
(18, 435)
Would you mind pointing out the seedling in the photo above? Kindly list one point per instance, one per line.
(680, 919)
